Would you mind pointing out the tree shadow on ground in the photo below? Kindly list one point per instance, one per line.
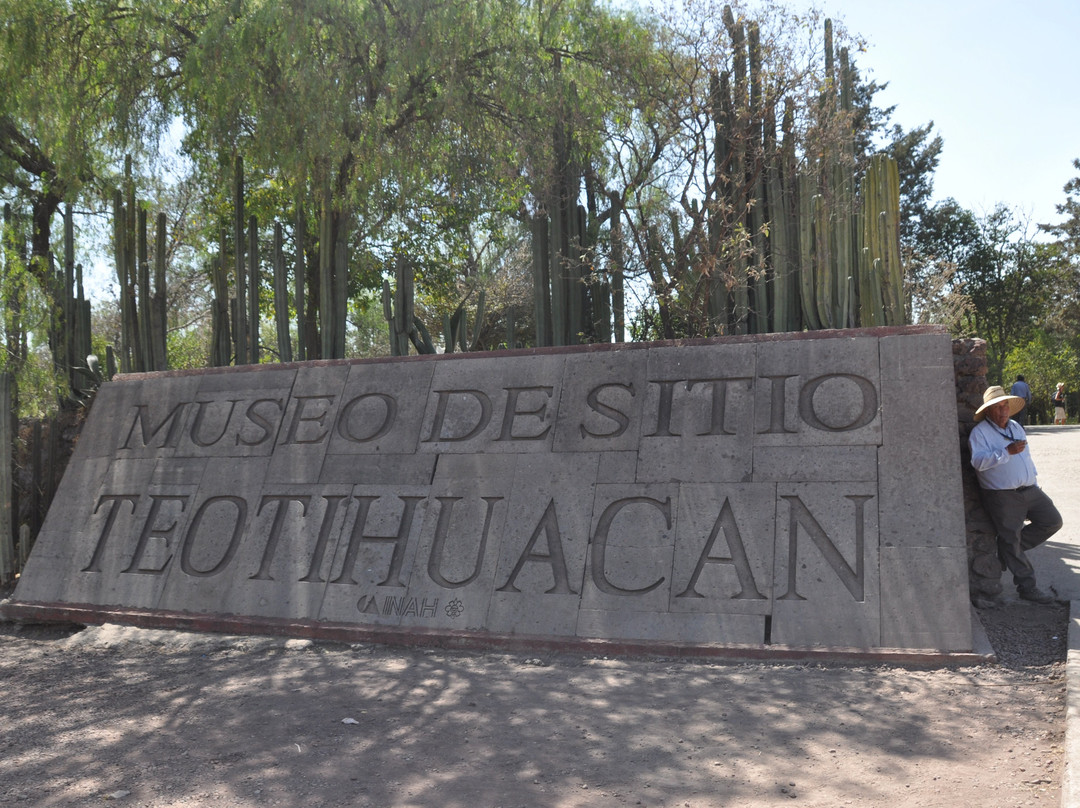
(252, 721)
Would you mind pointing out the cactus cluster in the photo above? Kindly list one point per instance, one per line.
(405, 327)
(142, 305)
(456, 327)
(398, 309)
(236, 306)
(572, 304)
(825, 243)
(74, 310)
(786, 246)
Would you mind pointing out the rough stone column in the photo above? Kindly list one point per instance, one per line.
(969, 362)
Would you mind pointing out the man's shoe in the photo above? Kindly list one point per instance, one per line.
(1035, 595)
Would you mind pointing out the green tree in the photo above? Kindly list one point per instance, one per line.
(73, 81)
(352, 108)
(917, 152)
(1067, 232)
(444, 131)
(947, 239)
(1044, 360)
(988, 277)
(1010, 283)
(73, 95)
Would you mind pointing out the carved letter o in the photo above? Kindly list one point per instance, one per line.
(384, 427)
(865, 416)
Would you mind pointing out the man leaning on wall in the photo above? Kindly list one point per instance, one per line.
(1023, 515)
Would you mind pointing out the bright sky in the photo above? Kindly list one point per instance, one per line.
(1000, 80)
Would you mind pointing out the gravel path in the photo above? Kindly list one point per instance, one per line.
(171, 720)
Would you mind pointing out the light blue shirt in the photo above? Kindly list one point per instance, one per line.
(995, 467)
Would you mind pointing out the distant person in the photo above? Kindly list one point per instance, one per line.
(1023, 514)
(1059, 403)
(1020, 388)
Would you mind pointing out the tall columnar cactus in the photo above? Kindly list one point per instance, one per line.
(716, 191)
(738, 202)
(333, 275)
(253, 284)
(240, 328)
(340, 296)
(300, 277)
(66, 302)
(398, 309)
(120, 254)
(849, 260)
(809, 200)
(844, 182)
(541, 272)
(803, 225)
(824, 273)
(158, 307)
(130, 248)
(881, 223)
(599, 309)
(221, 342)
(142, 292)
(783, 222)
(572, 304)
(281, 297)
(456, 327)
(840, 258)
(74, 332)
(618, 294)
(759, 322)
(836, 169)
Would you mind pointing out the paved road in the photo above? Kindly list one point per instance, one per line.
(1056, 451)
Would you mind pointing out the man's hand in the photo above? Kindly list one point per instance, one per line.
(1017, 446)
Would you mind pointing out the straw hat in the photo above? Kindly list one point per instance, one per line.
(995, 394)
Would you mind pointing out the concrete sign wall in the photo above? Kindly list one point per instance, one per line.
(794, 490)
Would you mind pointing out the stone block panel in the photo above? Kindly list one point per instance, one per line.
(818, 392)
(826, 576)
(924, 599)
(778, 489)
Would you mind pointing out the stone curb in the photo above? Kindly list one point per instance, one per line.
(86, 614)
(1070, 780)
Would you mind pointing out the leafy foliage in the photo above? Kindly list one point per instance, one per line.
(917, 154)
(989, 277)
(1068, 231)
(442, 130)
(1044, 360)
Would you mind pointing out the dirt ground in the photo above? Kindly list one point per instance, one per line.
(165, 720)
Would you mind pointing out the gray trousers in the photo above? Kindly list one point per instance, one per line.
(1024, 519)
